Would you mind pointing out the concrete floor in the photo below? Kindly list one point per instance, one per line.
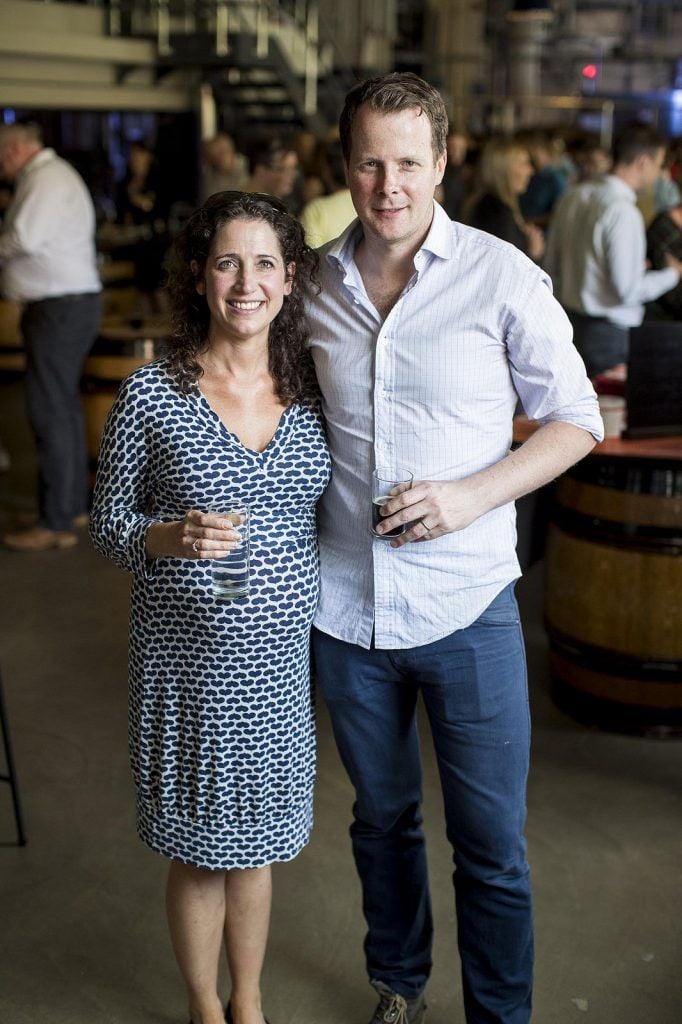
(83, 938)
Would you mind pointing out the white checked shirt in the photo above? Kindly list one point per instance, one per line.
(47, 241)
(433, 388)
(596, 252)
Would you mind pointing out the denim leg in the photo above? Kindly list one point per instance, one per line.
(601, 344)
(372, 708)
(475, 691)
(58, 333)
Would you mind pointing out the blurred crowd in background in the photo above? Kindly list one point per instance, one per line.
(508, 186)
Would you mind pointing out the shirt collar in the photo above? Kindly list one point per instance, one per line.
(41, 157)
(439, 240)
(341, 251)
(619, 186)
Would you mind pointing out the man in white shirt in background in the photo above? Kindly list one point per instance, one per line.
(424, 336)
(273, 167)
(596, 252)
(223, 168)
(49, 265)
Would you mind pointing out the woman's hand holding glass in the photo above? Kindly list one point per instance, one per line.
(198, 535)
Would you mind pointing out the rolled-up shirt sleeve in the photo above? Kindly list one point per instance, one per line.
(547, 370)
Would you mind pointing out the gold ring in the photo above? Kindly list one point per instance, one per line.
(194, 545)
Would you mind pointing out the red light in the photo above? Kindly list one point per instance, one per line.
(590, 71)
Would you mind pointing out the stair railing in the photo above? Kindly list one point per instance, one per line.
(307, 47)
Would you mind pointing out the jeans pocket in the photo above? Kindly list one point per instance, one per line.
(502, 610)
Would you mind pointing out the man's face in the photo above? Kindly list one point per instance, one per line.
(597, 162)
(285, 169)
(392, 174)
(222, 155)
(10, 158)
(457, 148)
(279, 177)
(651, 167)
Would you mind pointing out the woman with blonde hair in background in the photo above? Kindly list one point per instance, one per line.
(504, 171)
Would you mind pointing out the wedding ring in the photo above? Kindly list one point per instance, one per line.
(194, 545)
(427, 528)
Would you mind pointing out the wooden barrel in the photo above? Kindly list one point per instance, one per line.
(119, 349)
(613, 598)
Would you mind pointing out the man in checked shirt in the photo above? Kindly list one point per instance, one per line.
(425, 335)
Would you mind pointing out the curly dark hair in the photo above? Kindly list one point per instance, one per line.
(289, 361)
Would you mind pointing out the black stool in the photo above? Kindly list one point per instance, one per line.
(11, 776)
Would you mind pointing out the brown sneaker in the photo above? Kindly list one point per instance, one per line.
(26, 519)
(395, 1009)
(39, 538)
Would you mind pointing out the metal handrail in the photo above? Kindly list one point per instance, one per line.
(303, 35)
(164, 19)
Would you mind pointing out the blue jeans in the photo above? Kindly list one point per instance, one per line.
(474, 688)
(601, 343)
(58, 334)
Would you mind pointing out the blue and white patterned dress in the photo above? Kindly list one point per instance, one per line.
(221, 717)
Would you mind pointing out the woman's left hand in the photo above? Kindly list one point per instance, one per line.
(198, 535)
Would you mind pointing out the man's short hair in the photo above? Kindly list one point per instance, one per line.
(637, 140)
(27, 131)
(388, 94)
(264, 152)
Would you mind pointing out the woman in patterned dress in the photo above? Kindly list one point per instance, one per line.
(221, 717)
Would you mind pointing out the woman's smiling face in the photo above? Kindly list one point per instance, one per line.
(245, 280)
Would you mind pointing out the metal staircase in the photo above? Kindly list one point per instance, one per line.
(270, 64)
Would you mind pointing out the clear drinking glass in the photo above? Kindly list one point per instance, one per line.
(387, 481)
(230, 576)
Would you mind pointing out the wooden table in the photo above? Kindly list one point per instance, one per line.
(121, 346)
(613, 595)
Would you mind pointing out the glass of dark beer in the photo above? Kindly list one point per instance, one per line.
(387, 482)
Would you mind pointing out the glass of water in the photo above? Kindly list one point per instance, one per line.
(387, 482)
(230, 575)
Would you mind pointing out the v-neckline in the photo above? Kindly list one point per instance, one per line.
(235, 437)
